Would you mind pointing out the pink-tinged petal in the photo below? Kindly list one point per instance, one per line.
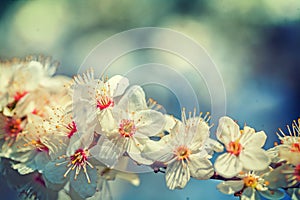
(230, 187)
(254, 159)
(117, 85)
(81, 185)
(228, 165)
(200, 168)
(177, 175)
(227, 130)
(250, 138)
(149, 122)
(133, 100)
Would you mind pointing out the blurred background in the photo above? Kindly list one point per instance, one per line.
(254, 44)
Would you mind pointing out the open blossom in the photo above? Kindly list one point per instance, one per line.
(14, 120)
(183, 152)
(244, 149)
(24, 76)
(127, 128)
(251, 186)
(94, 98)
(39, 143)
(75, 167)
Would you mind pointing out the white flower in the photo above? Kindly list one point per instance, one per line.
(37, 145)
(250, 186)
(127, 128)
(244, 149)
(183, 152)
(94, 97)
(23, 77)
(15, 119)
(77, 168)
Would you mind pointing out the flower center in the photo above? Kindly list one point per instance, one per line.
(250, 181)
(127, 128)
(104, 102)
(19, 95)
(78, 161)
(182, 153)
(295, 147)
(79, 157)
(235, 147)
(72, 129)
(297, 172)
(12, 128)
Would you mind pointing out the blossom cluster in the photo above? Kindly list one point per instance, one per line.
(63, 138)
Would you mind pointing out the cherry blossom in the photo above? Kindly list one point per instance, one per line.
(183, 152)
(243, 149)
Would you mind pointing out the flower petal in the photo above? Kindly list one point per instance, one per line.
(200, 168)
(250, 138)
(107, 121)
(254, 159)
(177, 175)
(228, 165)
(227, 130)
(276, 178)
(272, 194)
(24, 168)
(199, 132)
(249, 194)
(117, 85)
(134, 151)
(213, 145)
(109, 151)
(133, 100)
(149, 122)
(41, 160)
(230, 187)
(158, 150)
(55, 174)
(81, 185)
